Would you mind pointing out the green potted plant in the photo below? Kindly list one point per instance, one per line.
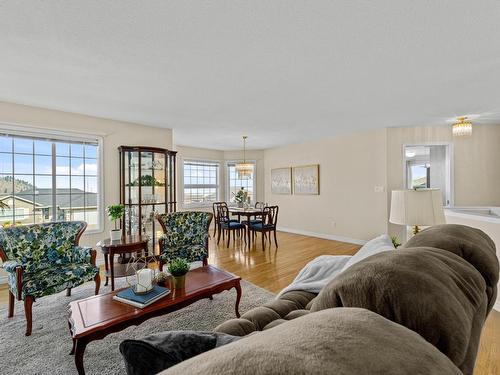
(178, 269)
(161, 279)
(395, 241)
(115, 212)
(241, 197)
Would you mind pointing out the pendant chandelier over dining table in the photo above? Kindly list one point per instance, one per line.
(244, 170)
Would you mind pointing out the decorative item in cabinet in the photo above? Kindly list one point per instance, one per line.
(147, 187)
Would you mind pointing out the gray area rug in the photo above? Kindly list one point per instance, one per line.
(46, 351)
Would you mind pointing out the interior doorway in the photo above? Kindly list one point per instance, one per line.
(429, 166)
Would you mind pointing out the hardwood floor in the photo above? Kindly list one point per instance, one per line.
(274, 269)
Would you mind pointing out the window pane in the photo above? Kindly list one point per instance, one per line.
(43, 182)
(77, 166)
(6, 163)
(62, 182)
(62, 149)
(91, 151)
(200, 182)
(23, 183)
(62, 166)
(77, 182)
(23, 145)
(43, 164)
(91, 184)
(91, 168)
(23, 163)
(76, 150)
(5, 144)
(43, 147)
(6, 184)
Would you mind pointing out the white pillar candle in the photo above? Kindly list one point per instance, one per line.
(144, 279)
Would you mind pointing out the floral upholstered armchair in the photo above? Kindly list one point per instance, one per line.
(44, 259)
(185, 236)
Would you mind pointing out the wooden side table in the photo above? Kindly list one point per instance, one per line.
(127, 245)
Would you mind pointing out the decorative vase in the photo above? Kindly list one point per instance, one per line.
(179, 282)
(115, 234)
(240, 204)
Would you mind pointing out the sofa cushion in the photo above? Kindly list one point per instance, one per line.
(336, 341)
(55, 279)
(158, 352)
(430, 291)
(258, 318)
(471, 244)
(374, 246)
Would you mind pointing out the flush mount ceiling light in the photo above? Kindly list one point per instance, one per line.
(244, 170)
(462, 128)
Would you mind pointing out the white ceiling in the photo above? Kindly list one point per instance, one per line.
(279, 71)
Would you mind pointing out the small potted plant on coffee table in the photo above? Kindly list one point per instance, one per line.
(115, 212)
(178, 269)
(161, 279)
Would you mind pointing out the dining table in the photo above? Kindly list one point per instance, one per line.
(247, 212)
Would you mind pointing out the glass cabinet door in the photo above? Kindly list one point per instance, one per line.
(145, 190)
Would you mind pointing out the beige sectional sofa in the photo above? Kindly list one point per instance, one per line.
(417, 310)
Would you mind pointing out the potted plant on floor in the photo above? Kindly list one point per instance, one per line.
(178, 269)
(115, 212)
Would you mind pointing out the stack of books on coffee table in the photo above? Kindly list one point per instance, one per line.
(141, 300)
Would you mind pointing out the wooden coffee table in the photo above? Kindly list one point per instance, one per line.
(96, 317)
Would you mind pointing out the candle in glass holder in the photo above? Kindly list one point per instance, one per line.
(144, 280)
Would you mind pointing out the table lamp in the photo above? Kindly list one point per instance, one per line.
(420, 207)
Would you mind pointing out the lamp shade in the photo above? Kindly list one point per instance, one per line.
(422, 207)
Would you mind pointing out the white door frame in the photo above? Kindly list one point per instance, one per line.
(450, 191)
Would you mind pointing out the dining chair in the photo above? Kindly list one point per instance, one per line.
(268, 225)
(226, 224)
(215, 210)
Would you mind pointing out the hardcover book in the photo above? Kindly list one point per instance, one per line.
(141, 300)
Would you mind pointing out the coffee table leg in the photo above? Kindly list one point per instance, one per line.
(81, 344)
(106, 267)
(112, 267)
(238, 297)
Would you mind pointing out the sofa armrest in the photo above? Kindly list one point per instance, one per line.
(82, 254)
(10, 265)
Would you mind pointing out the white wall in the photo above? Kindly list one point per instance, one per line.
(114, 133)
(351, 167)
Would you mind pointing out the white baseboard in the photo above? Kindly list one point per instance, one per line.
(333, 237)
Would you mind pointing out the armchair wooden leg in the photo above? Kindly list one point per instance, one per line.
(11, 305)
(68, 292)
(28, 305)
(97, 280)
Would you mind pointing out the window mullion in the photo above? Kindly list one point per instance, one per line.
(54, 183)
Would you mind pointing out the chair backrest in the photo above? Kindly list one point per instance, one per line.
(215, 209)
(223, 213)
(38, 246)
(260, 205)
(185, 228)
(270, 216)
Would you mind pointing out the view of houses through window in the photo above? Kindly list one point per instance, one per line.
(48, 180)
(201, 182)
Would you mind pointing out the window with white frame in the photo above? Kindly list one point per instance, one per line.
(235, 183)
(49, 179)
(201, 182)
